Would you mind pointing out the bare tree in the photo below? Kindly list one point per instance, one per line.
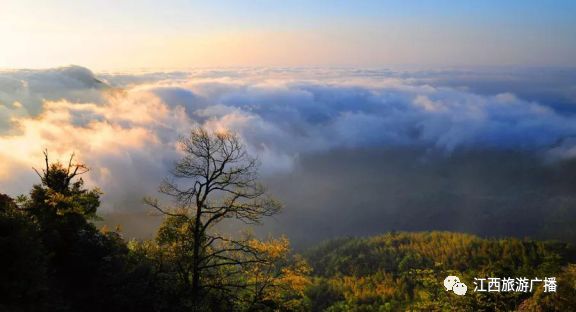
(215, 180)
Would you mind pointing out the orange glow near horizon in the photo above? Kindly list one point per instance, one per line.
(117, 35)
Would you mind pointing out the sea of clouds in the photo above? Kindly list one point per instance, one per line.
(125, 125)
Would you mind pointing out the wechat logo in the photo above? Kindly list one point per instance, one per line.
(453, 283)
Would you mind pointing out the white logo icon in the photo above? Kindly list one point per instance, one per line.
(453, 283)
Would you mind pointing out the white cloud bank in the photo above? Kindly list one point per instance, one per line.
(125, 125)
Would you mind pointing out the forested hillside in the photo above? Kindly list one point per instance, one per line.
(404, 271)
(52, 269)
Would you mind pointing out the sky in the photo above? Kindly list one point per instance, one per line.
(131, 34)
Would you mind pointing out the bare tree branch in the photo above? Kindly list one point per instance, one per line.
(216, 179)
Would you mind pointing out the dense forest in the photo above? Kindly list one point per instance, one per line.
(54, 258)
(404, 272)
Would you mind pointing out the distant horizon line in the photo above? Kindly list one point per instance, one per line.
(344, 67)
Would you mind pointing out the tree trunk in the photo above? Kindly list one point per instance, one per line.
(196, 287)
